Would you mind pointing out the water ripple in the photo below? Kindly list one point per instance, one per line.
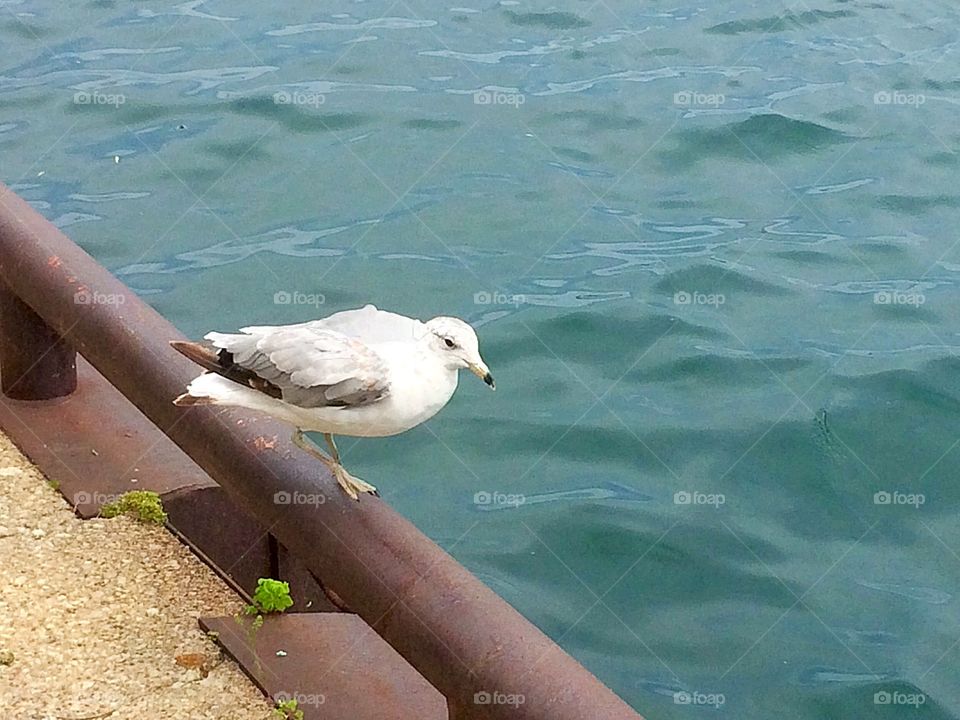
(103, 53)
(645, 76)
(870, 287)
(573, 298)
(685, 241)
(108, 197)
(580, 171)
(289, 241)
(189, 9)
(799, 237)
(840, 187)
(929, 595)
(73, 218)
(832, 350)
(383, 23)
(205, 78)
(321, 87)
(607, 491)
(493, 57)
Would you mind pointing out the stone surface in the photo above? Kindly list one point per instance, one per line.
(94, 614)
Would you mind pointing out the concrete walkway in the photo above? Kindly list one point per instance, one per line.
(98, 618)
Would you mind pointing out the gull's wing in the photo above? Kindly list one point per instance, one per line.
(310, 366)
(368, 324)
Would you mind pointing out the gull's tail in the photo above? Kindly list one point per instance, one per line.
(203, 356)
(188, 400)
(214, 389)
(223, 379)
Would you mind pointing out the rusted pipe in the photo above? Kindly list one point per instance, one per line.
(469, 643)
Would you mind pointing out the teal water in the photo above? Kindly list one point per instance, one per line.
(711, 253)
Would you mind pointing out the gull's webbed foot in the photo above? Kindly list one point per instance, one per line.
(351, 485)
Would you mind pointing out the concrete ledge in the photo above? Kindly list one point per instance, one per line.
(333, 664)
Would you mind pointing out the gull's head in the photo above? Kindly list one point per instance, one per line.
(456, 343)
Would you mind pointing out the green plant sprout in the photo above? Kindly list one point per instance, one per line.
(288, 710)
(270, 596)
(144, 505)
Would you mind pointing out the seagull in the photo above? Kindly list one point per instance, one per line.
(361, 373)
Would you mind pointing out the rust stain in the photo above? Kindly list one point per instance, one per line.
(261, 443)
(195, 661)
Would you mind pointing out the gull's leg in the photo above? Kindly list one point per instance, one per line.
(351, 485)
(334, 453)
(301, 441)
(343, 477)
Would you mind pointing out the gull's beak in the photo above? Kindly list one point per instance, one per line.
(482, 372)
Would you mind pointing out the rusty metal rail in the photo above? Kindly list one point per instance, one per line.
(464, 639)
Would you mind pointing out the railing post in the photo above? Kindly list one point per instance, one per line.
(456, 710)
(35, 362)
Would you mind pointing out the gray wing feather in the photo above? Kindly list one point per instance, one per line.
(312, 366)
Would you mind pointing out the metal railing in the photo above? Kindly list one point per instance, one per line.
(457, 633)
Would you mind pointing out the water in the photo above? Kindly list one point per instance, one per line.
(712, 255)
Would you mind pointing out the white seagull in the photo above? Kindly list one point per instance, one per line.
(364, 373)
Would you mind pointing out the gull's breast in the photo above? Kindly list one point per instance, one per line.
(418, 390)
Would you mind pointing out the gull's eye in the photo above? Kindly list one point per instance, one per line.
(449, 343)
